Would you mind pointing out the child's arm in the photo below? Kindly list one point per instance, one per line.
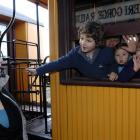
(130, 70)
(136, 61)
(62, 63)
(127, 73)
(113, 74)
(31, 70)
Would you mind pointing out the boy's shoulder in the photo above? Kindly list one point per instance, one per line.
(107, 54)
(75, 49)
(105, 49)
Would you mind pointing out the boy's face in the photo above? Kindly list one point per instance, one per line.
(121, 56)
(87, 43)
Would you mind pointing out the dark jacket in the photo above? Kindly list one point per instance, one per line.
(98, 69)
(128, 73)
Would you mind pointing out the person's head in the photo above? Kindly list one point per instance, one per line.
(90, 35)
(121, 55)
(112, 41)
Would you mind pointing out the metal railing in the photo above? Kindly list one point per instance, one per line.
(29, 91)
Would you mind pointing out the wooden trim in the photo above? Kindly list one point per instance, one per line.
(90, 82)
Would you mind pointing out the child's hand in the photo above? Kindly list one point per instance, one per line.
(132, 42)
(113, 76)
(31, 71)
(136, 61)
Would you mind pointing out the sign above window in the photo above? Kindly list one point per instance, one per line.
(121, 11)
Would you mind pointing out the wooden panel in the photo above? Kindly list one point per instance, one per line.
(21, 34)
(119, 113)
(132, 114)
(54, 77)
(106, 114)
(90, 118)
(137, 120)
(64, 114)
(98, 113)
(125, 115)
(32, 37)
(70, 114)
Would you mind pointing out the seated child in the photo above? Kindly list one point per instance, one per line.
(127, 67)
(122, 57)
(88, 58)
(132, 69)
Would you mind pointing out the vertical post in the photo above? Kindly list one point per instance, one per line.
(45, 104)
(38, 48)
(43, 79)
(38, 33)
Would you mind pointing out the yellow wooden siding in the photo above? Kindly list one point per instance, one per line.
(21, 34)
(95, 113)
(88, 112)
(32, 37)
(53, 34)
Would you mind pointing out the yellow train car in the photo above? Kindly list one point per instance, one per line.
(83, 108)
(92, 110)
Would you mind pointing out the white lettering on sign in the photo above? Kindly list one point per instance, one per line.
(111, 13)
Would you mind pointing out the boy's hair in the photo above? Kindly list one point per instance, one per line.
(92, 29)
(119, 46)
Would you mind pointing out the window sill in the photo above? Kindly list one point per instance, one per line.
(135, 83)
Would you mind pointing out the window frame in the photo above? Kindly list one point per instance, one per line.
(66, 33)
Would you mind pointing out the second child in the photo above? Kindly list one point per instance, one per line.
(127, 67)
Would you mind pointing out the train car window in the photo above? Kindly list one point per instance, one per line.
(118, 17)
